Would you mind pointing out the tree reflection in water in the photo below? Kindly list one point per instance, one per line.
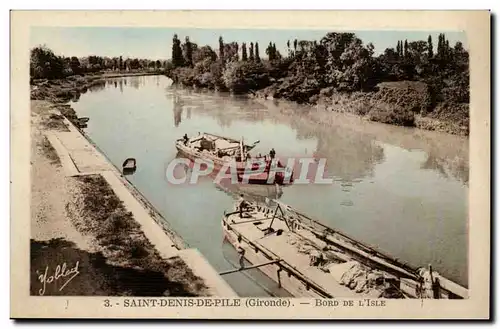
(352, 147)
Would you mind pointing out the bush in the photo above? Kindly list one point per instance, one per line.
(241, 77)
(392, 114)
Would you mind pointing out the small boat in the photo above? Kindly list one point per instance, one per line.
(310, 259)
(129, 166)
(220, 151)
(82, 122)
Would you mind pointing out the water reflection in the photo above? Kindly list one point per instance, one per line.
(97, 85)
(348, 144)
(349, 155)
(177, 109)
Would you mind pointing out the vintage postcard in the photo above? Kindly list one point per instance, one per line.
(250, 165)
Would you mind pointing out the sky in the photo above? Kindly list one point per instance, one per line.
(156, 43)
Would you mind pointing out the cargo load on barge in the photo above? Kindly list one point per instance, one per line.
(310, 259)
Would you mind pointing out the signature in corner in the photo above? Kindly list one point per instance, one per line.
(61, 272)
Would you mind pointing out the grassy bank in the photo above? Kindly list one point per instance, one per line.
(81, 219)
(404, 103)
(98, 212)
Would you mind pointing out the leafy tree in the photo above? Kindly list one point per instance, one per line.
(440, 49)
(358, 66)
(203, 53)
(177, 57)
(295, 45)
(188, 53)
(45, 64)
(251, 57)
(257, 56)
(334, 45)
(231, 52)
(134, 64)
(241, 77)
(430, 50)
(221, 48)
(121, 63)
(271, 52)
(405, 54)
(417, 51)
(75, 65)
(244, 56)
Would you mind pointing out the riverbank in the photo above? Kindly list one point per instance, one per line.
(401, 103)
(405, 103)
(70, 88)
(87, 216)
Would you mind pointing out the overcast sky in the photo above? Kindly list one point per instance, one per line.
(156, 43)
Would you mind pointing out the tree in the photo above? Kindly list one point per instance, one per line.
(240, 77)
(177, 58)
(221, 48)
(270, 52)
(334, 45)
(358, 66)
(244, 56)
(257, 56)
(398, 48)
(251, 57)
(203, 53)
(295, 45)
(134, 64)
(74, 64)
(440, 48)
(120, 63)
(405, 54)
(430, 50)
(188, 56)
(231, 52)
(45, 64)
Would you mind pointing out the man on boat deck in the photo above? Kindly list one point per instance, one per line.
(241, 204)
(185, 139)
(272, 153)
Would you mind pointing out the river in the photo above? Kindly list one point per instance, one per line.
(402, 190)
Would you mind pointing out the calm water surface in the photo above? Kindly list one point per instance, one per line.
(401, 190)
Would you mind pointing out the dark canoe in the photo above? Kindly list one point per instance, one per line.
(129, 166)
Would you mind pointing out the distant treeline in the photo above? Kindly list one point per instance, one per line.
(44, 64)
(338, 62)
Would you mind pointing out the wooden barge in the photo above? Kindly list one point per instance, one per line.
(309, 259)
(221, 151)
